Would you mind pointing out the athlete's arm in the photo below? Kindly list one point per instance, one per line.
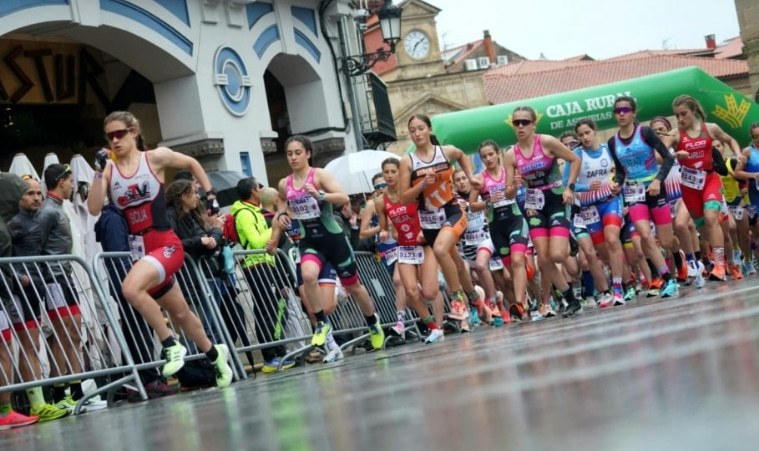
(740, 170)
(652, 139)
(98, 189)
(281, 217)
(163, 157)
(554, 147)
(383, 226)
(408, 194)
(475, 203)
(455, 154)
(333, 192)
(717, 132)
(510, 174)
(579, 187)
(619, 170)
(366, 218)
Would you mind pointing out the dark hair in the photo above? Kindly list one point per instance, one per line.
(661, 119)
(184, 174)
(377, 176)
(628, 99)
(307, 144)
(751, 128)
(424, 118)
(394, 161)
(174, 193)
(692, 105)
(586, 121)
(54, 174)
(528, 109)
(489, 143)
(245, 187)
(569, 134)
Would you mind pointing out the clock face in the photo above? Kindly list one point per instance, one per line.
(417, 44)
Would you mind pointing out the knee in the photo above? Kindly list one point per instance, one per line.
(558, 255)
(131, 290)
(413, 294)
(481, 266)
(517, 260)
(310, 277)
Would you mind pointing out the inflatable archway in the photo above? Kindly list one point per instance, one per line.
(733, 111)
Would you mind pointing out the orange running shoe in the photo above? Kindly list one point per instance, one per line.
(735, 272)
(718, 273)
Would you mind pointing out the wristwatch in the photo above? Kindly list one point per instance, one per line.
(211, 192)
(572, 186)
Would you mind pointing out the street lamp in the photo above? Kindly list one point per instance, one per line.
(390, 25)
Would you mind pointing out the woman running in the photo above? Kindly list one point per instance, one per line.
(638, 175)
(532, 162)
(134, 181)
(425, 178)
(310, 193)
(600, 210)
(508, 228)
(416, 261)
(748, 169)
(701, 186)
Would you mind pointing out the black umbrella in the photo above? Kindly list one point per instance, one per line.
(225, 184)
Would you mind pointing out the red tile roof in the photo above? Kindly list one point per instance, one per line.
(650, 53)
(731, 48)
(529, 79)
(457, 55)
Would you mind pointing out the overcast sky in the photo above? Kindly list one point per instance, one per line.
(601, 28)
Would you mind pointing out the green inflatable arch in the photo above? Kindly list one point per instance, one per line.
(733, 111)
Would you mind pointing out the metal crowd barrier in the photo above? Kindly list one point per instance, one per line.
(58, 345)
(142, 343)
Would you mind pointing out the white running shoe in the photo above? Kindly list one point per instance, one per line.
(699, 280)
(607, 300)
(333, 355)
(436, 336)
(399, 329)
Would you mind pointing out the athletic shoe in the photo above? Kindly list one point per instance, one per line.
(223, 370)
(700, 280)
(546, 311)
(670, 290)
(435, 336)
(654, 287)
(573, 308)
(630, 294)
(474, 317)
(618, 299)
(16, 420)
(682, 272)
(320, 334)
(516, 311)
(718, 273)
(737, 255)
(693, 271)
(49, 412)
(399, 329)
(377, 335)
(174, 356)
(272, 366)
(748, 268)
(606, 300)
(333, 355)
(735, 272)
(458, 310)
(91, 405)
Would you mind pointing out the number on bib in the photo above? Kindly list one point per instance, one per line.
(410, 255)
(737, 212)
(137, 246)
(475, 237)
(391, 255)
(305, 207)
(431, 219)
(692, 178)
(534, 199)
(634, 193)
(590, 215)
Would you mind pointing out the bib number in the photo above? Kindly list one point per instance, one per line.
(432, 219)
(495, 264)
(737, 212)
(137, 246)
(305, 207)
(391, 255)
(410, 255)
(692, 178)
(534, 199)
(634, 193)
(502, 201)
(475, 237)
(590, 215)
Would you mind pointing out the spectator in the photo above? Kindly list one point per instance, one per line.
(12, 188)
(254, 233)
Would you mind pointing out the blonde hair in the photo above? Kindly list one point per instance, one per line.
(130, 121)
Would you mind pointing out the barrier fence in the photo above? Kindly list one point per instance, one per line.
(252, 305)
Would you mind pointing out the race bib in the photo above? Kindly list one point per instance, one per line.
(692, 178)
(433, 219)
(475, 237)
(305, 207)
(737, 212)
(294, 255)
(391, 255)
(502, 201)
(724, 210)
(534, 199)
(495, 264)
(475, 221)
(410, 255)
(54, 298)
(137, 246)
(634, 193)
(590, 215)
(578, 222)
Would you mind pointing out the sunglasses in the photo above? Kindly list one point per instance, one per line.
(572, 144)
(521, 122)
(118, 134)
(623, 110)
(380, 186)
(66, 172)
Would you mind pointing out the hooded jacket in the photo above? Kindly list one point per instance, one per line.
(252, 230)
(12, 188)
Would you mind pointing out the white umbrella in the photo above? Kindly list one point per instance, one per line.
(355, 170)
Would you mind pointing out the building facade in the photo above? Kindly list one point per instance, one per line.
(226, 81)
(748, 18)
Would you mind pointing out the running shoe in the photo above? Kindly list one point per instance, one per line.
(272, 366)
(617, 298)
(49, 412)
(323, 328)
(718, 273)
(630, 294)
(654, 287)
(377, 335)
(670, 290)
(682, 271)
(223, 370)
(546, 311)
(737, 255)
(399, 329)
(16, 420)
(91, 405)
(474, 317)
(435, 336)
(516, 311)
(735, 272)
(174, 356)
(700, 280)
(458, 310)
(748, 268)
(333, 355)
(572, 309)
(606, 301)
(693, 271)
